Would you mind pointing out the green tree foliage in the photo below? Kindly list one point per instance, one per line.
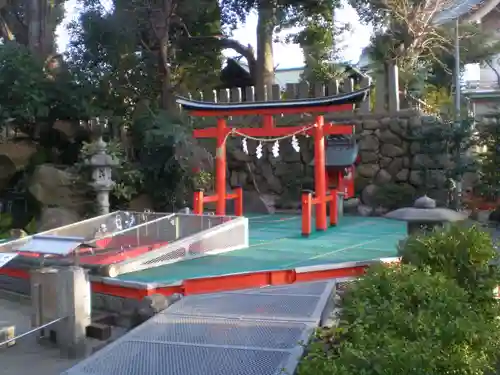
(393, 196)
(465, 255)
(403, 320)
(134, 60)
(29, 96)
(123, 54)
(489, 142)
(435, 313)
(320, 40)
(167, 179)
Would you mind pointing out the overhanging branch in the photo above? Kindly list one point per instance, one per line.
(227, 43)
(246, 51)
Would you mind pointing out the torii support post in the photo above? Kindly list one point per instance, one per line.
(321, 197)
(221, 195)
(319, 173)
(199, 200)
(308, 201)
(220, 168)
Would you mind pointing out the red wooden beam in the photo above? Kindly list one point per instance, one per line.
(329, 129)
(272, 111)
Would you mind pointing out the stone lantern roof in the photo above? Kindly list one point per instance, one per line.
(424, 210)
(100, 158)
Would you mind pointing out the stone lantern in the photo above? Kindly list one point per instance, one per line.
(102, 165)
(425, 216)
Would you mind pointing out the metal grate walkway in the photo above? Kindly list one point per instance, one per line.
(250, 332)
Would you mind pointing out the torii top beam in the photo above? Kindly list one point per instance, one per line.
(334, 103)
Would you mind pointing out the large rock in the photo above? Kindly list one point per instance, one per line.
(239, 155)
(495, 215)
(364, 210)
(191, 155)
(372, 125)
(368, 195)
(288, 154)
(368, 157)
(54, 187)
(68, 129)
(368, 170)
(403, 175)
(385, 161)
(273, 183)
(395, 166)
(388, 137)
(423, 161)
(254, 202)
(399, 126)
(141, 203)
(383, 177)
(14, 157)
(369, 143)
(52, 217)
(391, 151)
(238, 178)
(416, 178)
(415, 122)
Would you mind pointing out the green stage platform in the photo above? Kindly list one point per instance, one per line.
(276, 243)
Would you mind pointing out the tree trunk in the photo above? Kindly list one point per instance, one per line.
(167, 100)
(265, 61)
(41, 22)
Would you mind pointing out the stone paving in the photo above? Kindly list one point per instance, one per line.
(28, 356)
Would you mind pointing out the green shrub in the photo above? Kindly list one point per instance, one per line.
(394, 196)
(466, 255)
(402, 320)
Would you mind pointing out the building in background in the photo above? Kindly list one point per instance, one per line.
(282, 77)
(484, 94)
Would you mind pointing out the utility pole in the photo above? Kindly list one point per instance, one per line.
(457, 70)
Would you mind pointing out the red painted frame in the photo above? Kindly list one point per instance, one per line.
(268, 129)
(215, 284)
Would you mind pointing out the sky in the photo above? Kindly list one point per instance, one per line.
(285, 55)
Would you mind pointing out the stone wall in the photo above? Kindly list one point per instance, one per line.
(393, 152)
(390, 154)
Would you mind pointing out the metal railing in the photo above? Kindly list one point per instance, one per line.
(196, 236)
(482, 85)
(39, 328)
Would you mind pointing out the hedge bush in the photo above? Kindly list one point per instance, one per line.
(466, 255)
(402, 320)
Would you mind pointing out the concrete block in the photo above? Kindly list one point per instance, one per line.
(99, 331)
(7, 332)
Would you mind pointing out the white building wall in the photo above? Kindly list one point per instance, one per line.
(284, 76)
(487, 76)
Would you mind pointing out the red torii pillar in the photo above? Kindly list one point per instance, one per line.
(319, 130)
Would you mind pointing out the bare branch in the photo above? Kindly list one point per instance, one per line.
(490, 65)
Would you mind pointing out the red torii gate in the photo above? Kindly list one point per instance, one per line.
(319, 106)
